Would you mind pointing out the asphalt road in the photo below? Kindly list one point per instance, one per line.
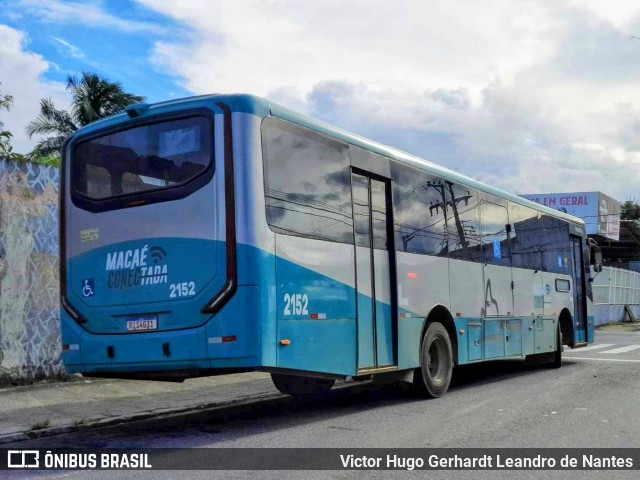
(592, 401)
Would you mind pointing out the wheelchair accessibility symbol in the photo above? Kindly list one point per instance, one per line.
(88, 287)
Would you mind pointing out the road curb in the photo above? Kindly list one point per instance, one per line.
(161, 413)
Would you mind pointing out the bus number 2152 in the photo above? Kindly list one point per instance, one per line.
(296, 304)
(184, 289)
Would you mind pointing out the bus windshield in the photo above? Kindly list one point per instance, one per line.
(142, 158)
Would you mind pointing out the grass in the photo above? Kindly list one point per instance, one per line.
(41, 425)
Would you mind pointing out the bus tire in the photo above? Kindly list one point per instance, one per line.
(301, 386)
(557, 355)
(433, 377)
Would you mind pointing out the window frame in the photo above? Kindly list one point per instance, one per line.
(563, 285)
(146, 197)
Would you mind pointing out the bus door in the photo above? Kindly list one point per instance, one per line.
(372, 232)
(579, 289)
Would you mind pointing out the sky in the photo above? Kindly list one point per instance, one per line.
(531, 96)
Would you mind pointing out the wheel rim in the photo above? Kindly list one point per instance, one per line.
(436, 361)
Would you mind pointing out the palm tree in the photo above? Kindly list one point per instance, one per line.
(92, 97)
(6, 101)
(50, 121)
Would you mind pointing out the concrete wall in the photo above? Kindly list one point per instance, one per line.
(29, 318)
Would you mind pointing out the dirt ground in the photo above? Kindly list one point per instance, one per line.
(622, 327)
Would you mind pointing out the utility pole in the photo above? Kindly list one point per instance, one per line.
(454, 205)
(442, 187)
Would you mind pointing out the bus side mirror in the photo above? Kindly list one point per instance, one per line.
(597, 260)
(596, 257)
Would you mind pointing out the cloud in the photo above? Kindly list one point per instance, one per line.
(529, 96)
(21, 76)
(594, 49)
(507, 139)
(85, 13)
(536, 95)
(451, 97)
(412, 45)
(70, 50)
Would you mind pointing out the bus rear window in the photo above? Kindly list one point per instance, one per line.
(142, 159)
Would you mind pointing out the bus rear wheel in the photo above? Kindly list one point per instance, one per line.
(433, 377)
(301, 386)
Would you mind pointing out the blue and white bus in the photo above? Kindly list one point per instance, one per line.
(225, 233)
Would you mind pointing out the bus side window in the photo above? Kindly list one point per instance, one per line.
(463, 222)
(307, 183)
(494, 219)
(419, 213)
(525, 237)
(555, 246)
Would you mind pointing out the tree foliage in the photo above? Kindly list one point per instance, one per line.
(57, 124)
(6, 149)
(92, 97)
(6, 101)
(630, 210)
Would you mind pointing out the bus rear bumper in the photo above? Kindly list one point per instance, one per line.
(158, 351)
(220, 344)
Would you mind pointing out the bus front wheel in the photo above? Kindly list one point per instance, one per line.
(301, 386)
(433, 377)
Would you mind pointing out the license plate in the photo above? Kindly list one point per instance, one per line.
(142, 324)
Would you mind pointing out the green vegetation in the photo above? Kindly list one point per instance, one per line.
(630, 210)
(79, 423)
(92, 97)
(41, 425)
(6, 101)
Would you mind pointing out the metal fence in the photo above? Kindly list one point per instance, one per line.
(613, 288)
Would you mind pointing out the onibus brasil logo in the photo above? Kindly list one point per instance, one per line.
(136, 267)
